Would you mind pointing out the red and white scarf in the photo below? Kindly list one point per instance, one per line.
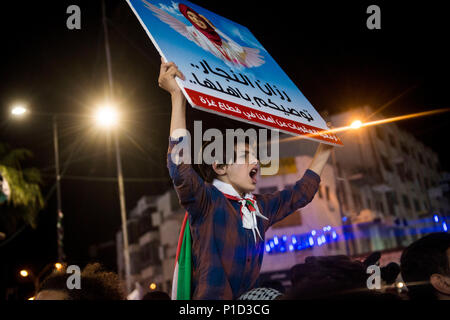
(249, 206)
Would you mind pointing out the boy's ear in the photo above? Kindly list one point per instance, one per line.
(220, 169)
(441, 283)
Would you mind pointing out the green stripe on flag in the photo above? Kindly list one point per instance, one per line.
(185, 266)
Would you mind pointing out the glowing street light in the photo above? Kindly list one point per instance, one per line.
(18, 110)
(107, 116)
(58, 266)
(356, 124)
(152, 286)
(24, 273)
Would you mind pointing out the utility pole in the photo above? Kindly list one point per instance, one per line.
(123, 212)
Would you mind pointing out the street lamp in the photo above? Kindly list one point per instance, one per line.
(356, 124)
(19, 111)
(107, 116)
(24, 273)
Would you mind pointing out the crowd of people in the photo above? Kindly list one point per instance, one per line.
(424, 268)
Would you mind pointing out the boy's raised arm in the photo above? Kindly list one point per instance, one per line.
(287, 201)
(190, 187)
(167, 82)
(320, 159)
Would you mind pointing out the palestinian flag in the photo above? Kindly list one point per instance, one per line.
(182, 276)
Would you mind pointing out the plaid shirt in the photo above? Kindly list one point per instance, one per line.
(226, 261)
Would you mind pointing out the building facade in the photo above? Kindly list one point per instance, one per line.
(153, 229)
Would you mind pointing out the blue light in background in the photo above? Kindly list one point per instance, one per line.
(444, 226)
(436, 218)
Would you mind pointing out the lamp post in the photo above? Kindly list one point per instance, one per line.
(107, 117)
(19, 111)
(123, 213)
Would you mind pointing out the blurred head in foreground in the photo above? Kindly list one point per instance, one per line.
(425, 267)
(331, 277)
(95, 284)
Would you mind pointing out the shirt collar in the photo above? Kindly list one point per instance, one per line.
(228, 189)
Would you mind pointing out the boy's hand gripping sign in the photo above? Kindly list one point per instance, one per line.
(228, 72)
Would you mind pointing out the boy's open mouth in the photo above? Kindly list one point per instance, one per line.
(253, 173)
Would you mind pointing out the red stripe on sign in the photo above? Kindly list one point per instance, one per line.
(248, 114)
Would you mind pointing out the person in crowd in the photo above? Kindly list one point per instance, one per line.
(425, 267)
(332, 277)
(95, 284)
(156, 295)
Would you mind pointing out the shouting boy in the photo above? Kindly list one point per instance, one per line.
(227, 222)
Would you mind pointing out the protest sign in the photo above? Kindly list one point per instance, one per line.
(228, 72)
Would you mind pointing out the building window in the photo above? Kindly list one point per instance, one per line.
(380, 206)
(429, 164)
(391, 198)
(392, 140)
(420, 158)
(419, 181)
(406, 202)
(357, 201)
(416, 205)
(404, 149)
(401, 171)
(427, 183)
(386, 164)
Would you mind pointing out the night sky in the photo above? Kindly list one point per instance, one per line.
(325, 48)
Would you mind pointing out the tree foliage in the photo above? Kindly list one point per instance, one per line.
(26, 199)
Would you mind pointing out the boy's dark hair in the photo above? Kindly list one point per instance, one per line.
(422, 259)
(205, 170)
(96, 284)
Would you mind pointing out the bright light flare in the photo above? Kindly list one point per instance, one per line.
(107, 116)
(356, 124)
(24, 273)
(400, 285)
(18, 110)
(371, 123)
(152, 286)
(58, 266)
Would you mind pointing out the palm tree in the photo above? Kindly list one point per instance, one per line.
(24, 200)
